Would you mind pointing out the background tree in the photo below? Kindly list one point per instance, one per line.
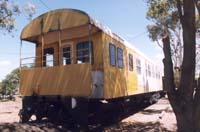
(165, 18)
(168, 16)
(9, 11)
(1, 88)
(10, 84)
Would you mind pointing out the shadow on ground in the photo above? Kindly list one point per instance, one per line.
(119, 127)
(153, 111)
(136, 127)
(111, 125)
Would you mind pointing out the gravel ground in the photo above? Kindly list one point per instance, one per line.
(156, 118)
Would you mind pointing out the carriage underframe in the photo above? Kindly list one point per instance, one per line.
(81, 111)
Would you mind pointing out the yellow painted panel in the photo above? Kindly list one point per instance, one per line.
(54, 20)
(132, 82)
(70, 80)
(115, 83)
(132, 78)
(115, 79)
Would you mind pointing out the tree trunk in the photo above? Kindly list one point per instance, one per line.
(182, 99)
(197, 107)
(184, 124)
(181, 103)
(186, 90)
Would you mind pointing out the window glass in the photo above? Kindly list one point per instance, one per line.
(149, 70)
(146, 69)
(120, 57)
(130, 56)
(157, 74)
(48, 58)
(153, 71)
(66, 55)
(112, 54)
(83, 52)
(138, 66)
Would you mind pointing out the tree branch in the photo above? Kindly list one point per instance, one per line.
(197, 5)
(189, 39)
(159, 44)
(179, 7)
(168, 80)
(168, 66)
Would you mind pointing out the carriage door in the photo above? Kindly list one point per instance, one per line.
(67, 54)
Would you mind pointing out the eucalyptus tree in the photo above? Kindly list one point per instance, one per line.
(170, 17)
(9, 10)
(10, 84)
(165, 18)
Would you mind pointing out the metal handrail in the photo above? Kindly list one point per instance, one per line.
(34, 64)
(55, 54)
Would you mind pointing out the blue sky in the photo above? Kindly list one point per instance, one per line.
(127, 18)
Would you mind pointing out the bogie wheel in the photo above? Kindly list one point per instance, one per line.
(24, 116)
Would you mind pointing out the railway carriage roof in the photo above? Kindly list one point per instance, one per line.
(61, 19)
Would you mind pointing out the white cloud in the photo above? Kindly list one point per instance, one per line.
(6, 66)
(5, 63)
(159, 59)
(130, 36)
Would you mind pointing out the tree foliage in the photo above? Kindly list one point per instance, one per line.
(10, 84)
(9, 11)
(185, 97)
(165, 18)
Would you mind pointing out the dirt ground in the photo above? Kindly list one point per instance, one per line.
(156, 118)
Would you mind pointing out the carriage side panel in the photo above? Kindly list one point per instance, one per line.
(115, 80)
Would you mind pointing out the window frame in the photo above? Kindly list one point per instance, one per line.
(138, 65)
(120, 58)
(70, 54)
(110, 56)
(149, 70)
(64, 45)
(90, 43)
(130, 62)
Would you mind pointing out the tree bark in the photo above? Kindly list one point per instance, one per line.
(182, 99)
(186, 90)
(184, 122)
(197, 107)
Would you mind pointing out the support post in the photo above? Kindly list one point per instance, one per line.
(90, 43)
(42, 51)
(59, 49)
(20, 54)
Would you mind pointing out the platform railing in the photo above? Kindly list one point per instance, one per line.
(32, 62)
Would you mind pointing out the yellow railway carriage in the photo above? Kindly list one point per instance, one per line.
(79, 62)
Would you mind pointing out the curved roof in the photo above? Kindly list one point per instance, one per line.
(55, 20)
(61, 19)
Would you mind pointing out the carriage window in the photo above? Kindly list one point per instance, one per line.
(112, 54)
(149, 70)
(120, 57)
(146, 71)
(66, 55)
(48, 58)
(157, 74)
(138, 66)
(130, 56)
(153, 72)
(83, 52)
